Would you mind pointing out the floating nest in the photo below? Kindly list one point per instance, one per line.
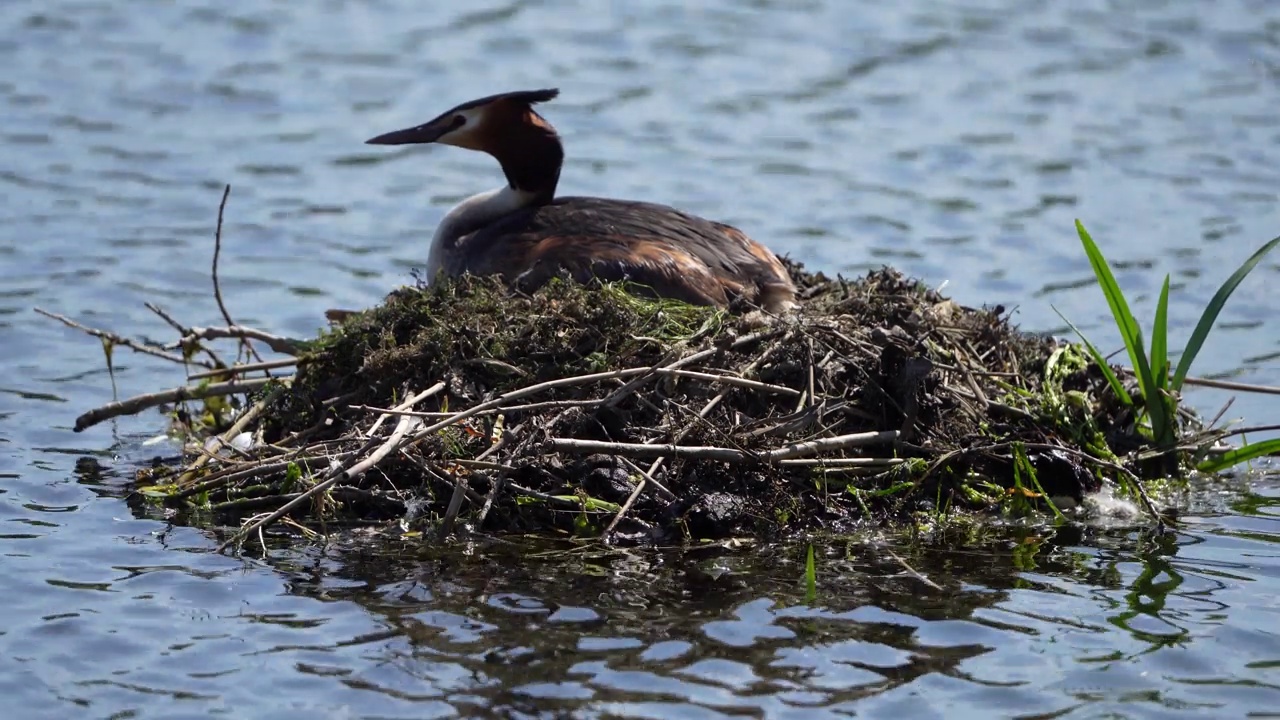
(596, 411)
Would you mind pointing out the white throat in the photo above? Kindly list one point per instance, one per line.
(468, 216)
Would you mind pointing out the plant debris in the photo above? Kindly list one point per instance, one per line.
(596, 411)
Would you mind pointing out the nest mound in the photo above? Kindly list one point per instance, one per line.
(598, 411)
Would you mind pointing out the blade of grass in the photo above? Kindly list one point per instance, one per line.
(1246, 453)
(1101, 361)
(810, 577)
(1130, 332)
(1156, 400)
(1020, 455)
(1160, 338)
(1210, 315)
(1163, 430)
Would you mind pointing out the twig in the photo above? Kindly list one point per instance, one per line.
(404, 406)
(217, 287)
(1221, 411)
(487, 505)
(1161, 524)
(617, 395)
(796, 421)
(482, 464)
(912, 571)
(663, 492)
(1220, 384)
(122, 341)
(645, 479)
(225, 438)
(183, 331)
(283, 345)
(139, 403)
(794, 450)
(165, 316)
(843, 462)
(751, 367)
(551, 405)
(641, 450)
(523, 393)
(336, 475)
(243, 504)
(1249, 430)
(501, 477)
(408, 413)
(728, 380)
(631, 499)
(813, 386)
(460, 488)
(339, 400)
(246, 368)
(236, 473)
(839, 442)
(1228, 385)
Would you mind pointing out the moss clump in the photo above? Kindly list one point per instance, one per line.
(480, 339)
(879, 398)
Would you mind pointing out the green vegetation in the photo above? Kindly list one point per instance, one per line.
(1158, 409)
(810, 577)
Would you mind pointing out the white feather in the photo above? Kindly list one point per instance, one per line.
(470, 215)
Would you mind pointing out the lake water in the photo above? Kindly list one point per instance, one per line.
(957, 141)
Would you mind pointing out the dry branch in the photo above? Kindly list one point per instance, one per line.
(138, 403)
(121, 341)
(217, 286)
(728, 380)
(282, 345)
(248, 416)
(338, 475)
(668, 450)
(245, 368)
(1230, 385)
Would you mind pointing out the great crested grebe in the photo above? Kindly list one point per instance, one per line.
(523, 232)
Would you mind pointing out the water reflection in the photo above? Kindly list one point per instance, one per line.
(501, 627)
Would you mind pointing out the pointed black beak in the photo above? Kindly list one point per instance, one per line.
(408, 136)
(426, 133)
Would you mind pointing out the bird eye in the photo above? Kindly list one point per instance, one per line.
(459, 121)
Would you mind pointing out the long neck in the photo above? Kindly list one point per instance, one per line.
(531, 156)
(530, 153)
(468, 216)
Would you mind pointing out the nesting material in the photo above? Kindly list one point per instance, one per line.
(599, 412)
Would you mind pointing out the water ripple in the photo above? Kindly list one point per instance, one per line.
(958, 141)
